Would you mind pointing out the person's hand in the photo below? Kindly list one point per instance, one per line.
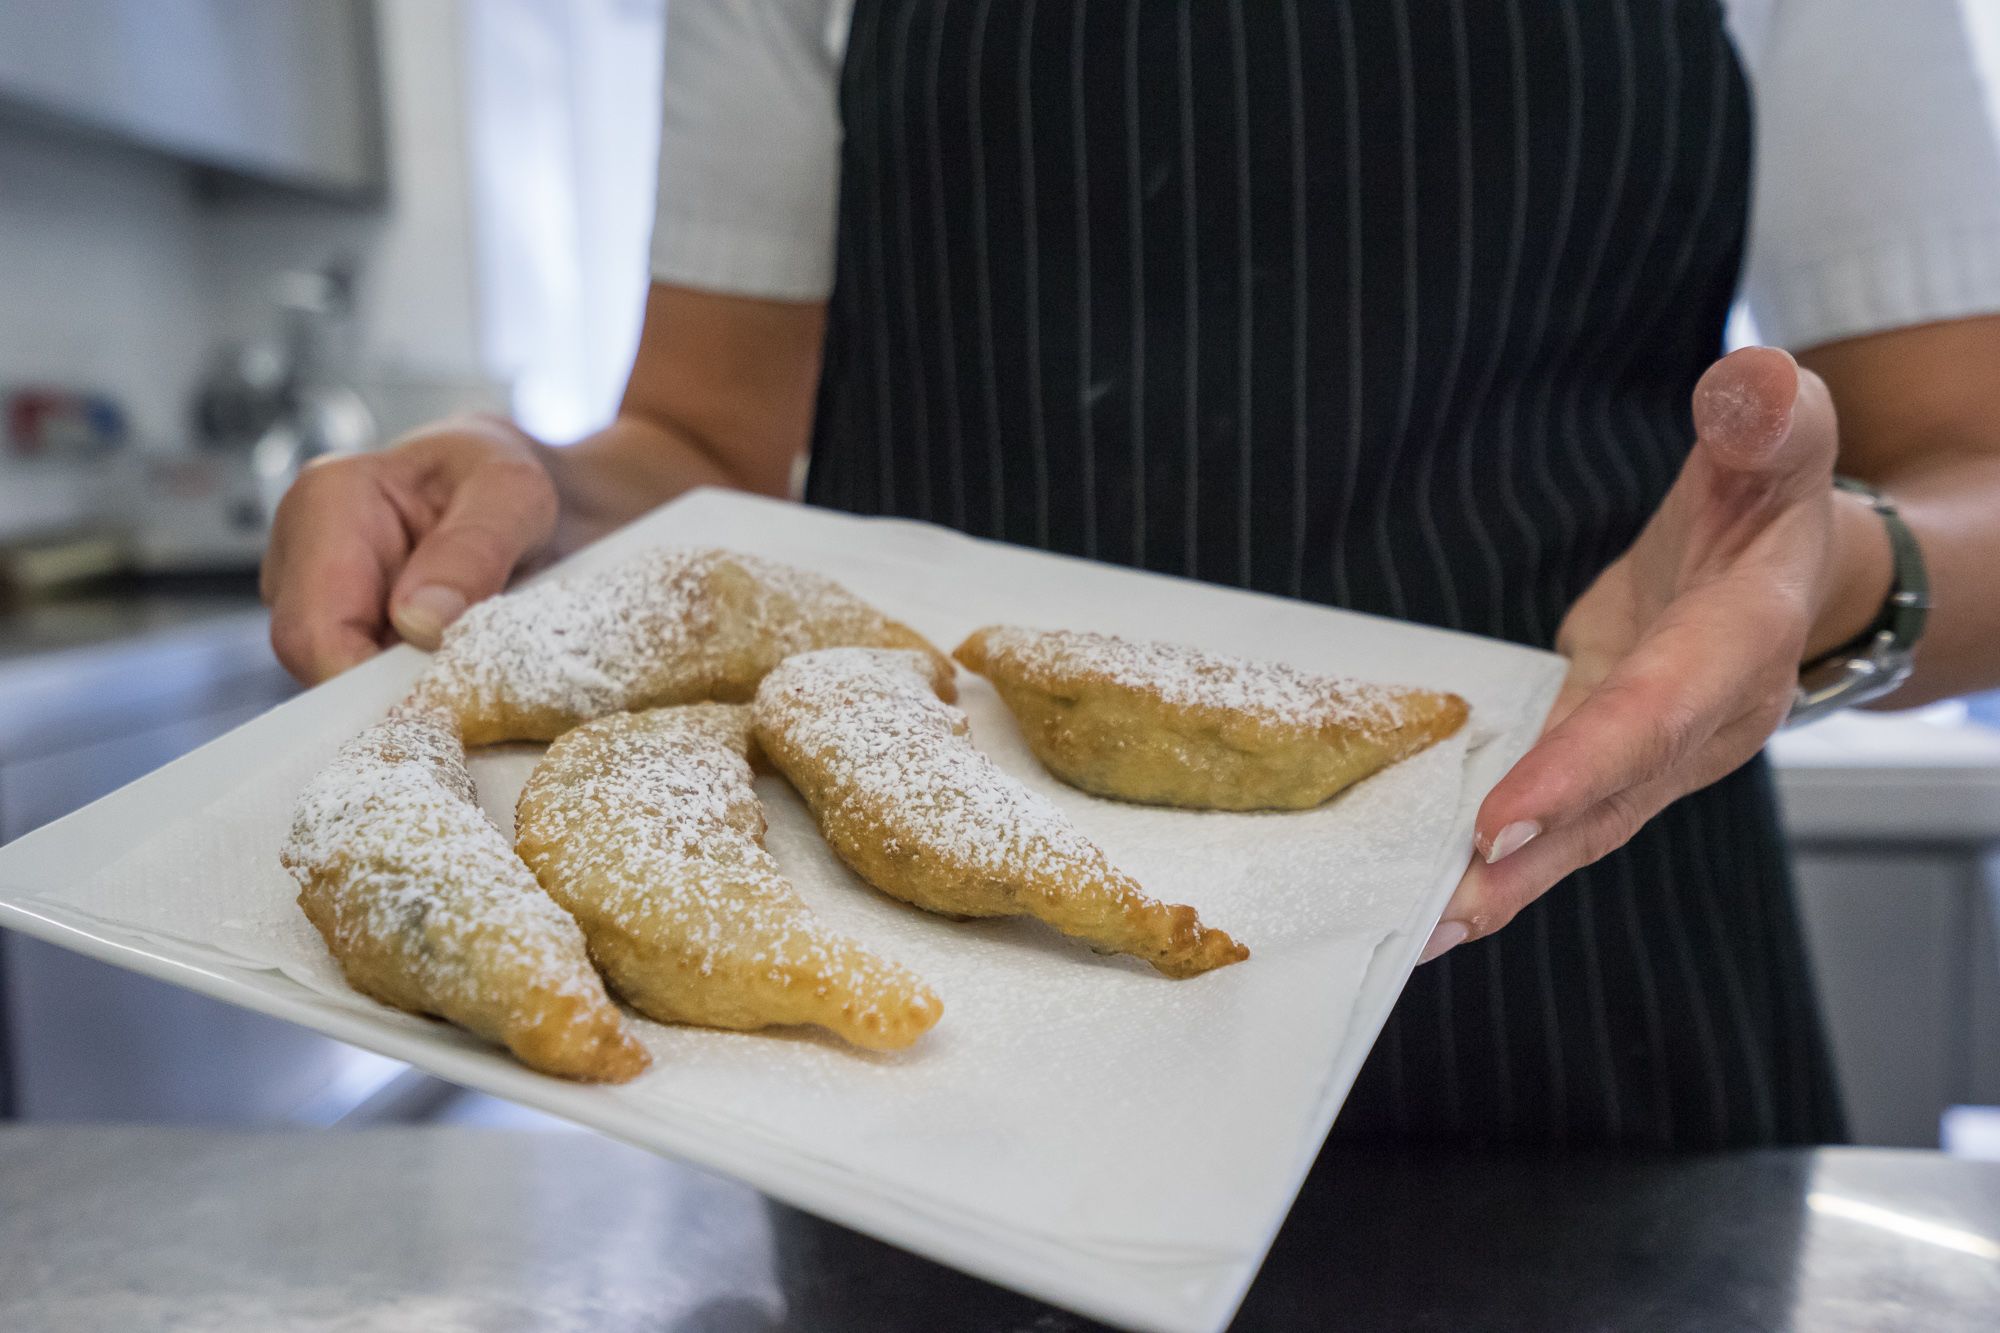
(370, 548)
(1684, 653)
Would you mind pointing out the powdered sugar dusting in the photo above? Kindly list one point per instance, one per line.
(647, 824)
(390, 841)
(870, 722)
(579, 646)
(671, 625)
(1184, 677)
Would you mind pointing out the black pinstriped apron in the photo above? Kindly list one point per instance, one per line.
(1394, 306)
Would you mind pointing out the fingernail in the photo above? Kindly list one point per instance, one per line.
(1448, 935)
(422, 616)
(1511, 839)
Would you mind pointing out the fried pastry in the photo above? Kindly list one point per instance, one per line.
(1164, 724)
(669, 626)
(902, 796)
(645, 826)
(425, 907)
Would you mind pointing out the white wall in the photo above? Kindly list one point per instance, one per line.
(565, 132)
(418, 310)
(103, 281)
(1982, 20)
(543, 113)
(114, 275)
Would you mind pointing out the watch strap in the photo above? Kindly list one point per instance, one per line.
(1879, 659)
(1906, 609)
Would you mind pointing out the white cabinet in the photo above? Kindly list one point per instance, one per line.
(281, 90)
(1983, 1027)
(1890, 936)
(1894, 822)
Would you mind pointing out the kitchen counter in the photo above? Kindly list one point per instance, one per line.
(125, 660)
(455, 1228)
(116, 612)
(1929, 777)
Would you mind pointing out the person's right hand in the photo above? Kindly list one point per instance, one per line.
(370, 548)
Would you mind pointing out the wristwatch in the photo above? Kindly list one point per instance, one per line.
(1879, 658)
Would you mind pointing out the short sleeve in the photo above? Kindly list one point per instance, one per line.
(1877, 191)
(749, 148)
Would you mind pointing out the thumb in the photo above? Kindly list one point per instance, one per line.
(500, 513)
(1760, 417)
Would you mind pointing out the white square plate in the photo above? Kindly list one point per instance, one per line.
(1076, 1127)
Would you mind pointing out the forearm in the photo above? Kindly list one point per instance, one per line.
(1952, 503)
(1919, 412)
(721, 394)
(632, 465)
(1951, 500)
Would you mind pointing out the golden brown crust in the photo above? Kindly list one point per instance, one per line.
(646, 827)
(1164, 724)
(669, 626)
(906, 801)
(426, 908)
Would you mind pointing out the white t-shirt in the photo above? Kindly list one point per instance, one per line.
(1876, 197)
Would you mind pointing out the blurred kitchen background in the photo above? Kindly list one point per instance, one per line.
(236, 234)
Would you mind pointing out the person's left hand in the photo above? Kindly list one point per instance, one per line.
(1684, 653)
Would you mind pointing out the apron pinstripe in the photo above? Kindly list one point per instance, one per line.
(1394, 306)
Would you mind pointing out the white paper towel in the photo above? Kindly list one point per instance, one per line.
(1086, 1098)
(1068, 1100)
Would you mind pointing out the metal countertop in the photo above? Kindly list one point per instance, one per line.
(457, 1228)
